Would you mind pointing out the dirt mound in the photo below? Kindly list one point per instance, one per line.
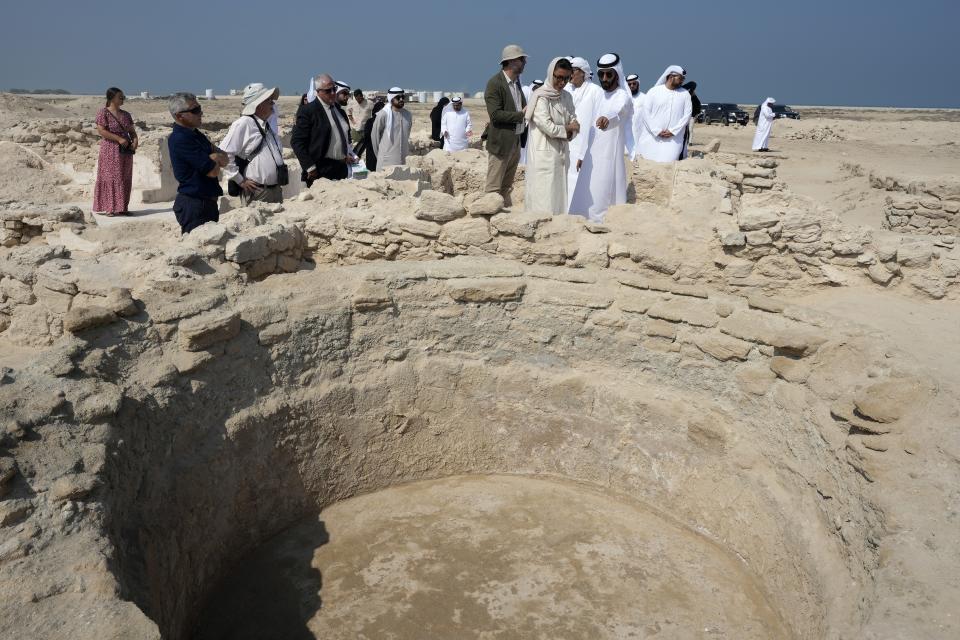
(25, 177)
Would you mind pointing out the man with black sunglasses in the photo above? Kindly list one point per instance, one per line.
(196, 165)
(321, 135)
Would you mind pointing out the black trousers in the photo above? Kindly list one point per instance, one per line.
(329, 169)
(192, 212)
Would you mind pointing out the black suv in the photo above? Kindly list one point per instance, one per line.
(725, 112)
(783, 111)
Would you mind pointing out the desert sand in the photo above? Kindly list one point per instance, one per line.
(394, 408)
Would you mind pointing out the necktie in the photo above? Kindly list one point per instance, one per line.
(343, 136)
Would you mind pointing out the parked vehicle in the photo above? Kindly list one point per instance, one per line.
(783, 111)
(725, 112)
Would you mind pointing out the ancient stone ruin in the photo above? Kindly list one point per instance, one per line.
(639, 429)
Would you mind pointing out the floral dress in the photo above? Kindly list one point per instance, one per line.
(114, 169)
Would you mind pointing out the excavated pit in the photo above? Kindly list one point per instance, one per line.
(702, 492)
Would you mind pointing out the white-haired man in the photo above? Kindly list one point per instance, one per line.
(390, 137)
(602, 181)
(321, 137)
(255, 167)
(455, 126)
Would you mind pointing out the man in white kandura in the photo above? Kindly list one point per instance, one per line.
(390, 137)
(455, 126)
(633, 82)
(254, 151)
(764, 126)
(666, 112)
(586, 95)
(552, 123)
(602, 181)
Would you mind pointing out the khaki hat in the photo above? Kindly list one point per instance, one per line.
(512, 52)
(254, 94)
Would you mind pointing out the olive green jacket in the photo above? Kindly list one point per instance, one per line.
(504, 118)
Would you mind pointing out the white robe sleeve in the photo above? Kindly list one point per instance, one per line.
(678, 128)
(541, 119)
(469, 125)
(443, 124)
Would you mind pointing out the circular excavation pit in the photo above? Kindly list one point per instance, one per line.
(486, 557)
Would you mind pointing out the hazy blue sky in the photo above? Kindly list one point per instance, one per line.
(853, 52)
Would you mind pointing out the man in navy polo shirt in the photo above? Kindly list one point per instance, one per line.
(196, 165)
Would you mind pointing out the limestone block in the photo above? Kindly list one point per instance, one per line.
(661, 329)
(99, 406)
(913, 253)
(486, 289)
(758, 238)
(322, 224)
(755, 379)
(247, 248)
(14, 511)
(519, 224)
(690, 311)
(467, 231)
(753, 219)
(73, 487)
(371, 297)
(440, 207)
(773, 330)
(207, 329)
(80, 318)
(887, 401)
(592, 251)
(734, 240)
(722, 347)
(362, 222)
(879, 274)
(486, 204)
(422, 228)
(931, 283)
(790, 369)
(758, 183)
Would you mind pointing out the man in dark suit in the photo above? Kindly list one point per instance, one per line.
(320, 137)
(507, 130)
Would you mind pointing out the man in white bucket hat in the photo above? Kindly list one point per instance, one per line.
(507, 132)
(254, 150)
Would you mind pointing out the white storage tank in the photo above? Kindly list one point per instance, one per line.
(209, 94)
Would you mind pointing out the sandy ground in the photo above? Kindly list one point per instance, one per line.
(559, 560)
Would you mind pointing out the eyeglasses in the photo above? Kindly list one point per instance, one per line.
(561, 78)
(606, 74)
(197, 110)
(327, 90)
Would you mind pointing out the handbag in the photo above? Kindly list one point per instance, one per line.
(124, 150)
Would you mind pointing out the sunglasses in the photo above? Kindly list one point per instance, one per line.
(606, 74)
(197, 110)
(330, 90)
(561, 78)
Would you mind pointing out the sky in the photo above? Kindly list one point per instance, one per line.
(804, 52)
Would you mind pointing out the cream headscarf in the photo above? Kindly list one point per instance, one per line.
(546, 91)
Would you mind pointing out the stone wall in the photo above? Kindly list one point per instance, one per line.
(923, 215)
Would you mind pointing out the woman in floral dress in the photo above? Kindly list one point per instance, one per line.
(111, 195)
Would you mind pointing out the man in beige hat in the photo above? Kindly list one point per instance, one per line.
(507, 131)
(254, 150)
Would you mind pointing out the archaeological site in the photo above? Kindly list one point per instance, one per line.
(393, 407)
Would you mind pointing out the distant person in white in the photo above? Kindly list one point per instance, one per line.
(455, 126)
(764, 126)
(666, 112)
(390, 137)
(633, 82)
(602, 181)
(552, 123)
(252, 138)
(586, 95)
